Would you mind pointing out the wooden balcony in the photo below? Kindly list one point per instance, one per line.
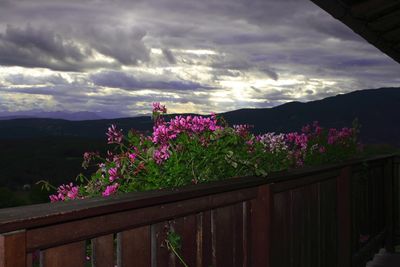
(336, 215)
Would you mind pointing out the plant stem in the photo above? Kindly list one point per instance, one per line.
(176, 253)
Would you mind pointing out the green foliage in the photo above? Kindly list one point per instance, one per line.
(191, 150)
(174, 244)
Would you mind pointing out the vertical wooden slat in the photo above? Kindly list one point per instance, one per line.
(298, 237)
(29, 260)
(281, 234)
(134, 247)
(238, 234)
(103, 251)
(396, 195)
(13, 249)
(223, 236)
(261, 213)
(246, 234)
(305, 225)
(205, 233)
(389, 207)
(344, 218)
(313, 228)
(162, 256)
(199, 239)
(72, 254)
(328, 224)
(186, 228)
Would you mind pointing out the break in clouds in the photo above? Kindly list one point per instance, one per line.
(116, 57)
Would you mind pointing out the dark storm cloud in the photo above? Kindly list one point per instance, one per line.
(169, 56)
(124, 45)
(104, 41)
(30, 47)
(244, 65)
(21, 79)
(246, 38)
(116, 79)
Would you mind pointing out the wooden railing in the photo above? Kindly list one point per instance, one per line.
(336, 215)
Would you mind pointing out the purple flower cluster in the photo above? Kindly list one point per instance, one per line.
(114, 136)
(161, 154)
(110, 190)
(158, 108)
(242, 129)
(272, 142)
(297, 140)
(335, 136)
(65, 192)
(164, 132)
(113, 174)
(197, 149)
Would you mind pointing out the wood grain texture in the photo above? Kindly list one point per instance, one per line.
(103, 251)
(344, 218)
(54, 235)
(309, 218)
(134, 247)
(282, 232)
(261, 215)
(328, 224)
(223, 238)
(13, 249)
(205, 256)
(68, 255)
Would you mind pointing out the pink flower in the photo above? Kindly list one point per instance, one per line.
(110, 189)
(87, 157)
(242, 129)
(113, 172)
(157, 107)
(132, 157)
(65, 192)
(114, 136)
(306, 128)
(162, 154)
(299, 140)
(273, 142)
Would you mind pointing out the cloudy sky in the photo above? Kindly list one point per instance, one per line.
(116, 57)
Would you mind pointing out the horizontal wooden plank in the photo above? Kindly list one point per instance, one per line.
(91, 227)
(32, 216)
(312, 179)
(26, 217)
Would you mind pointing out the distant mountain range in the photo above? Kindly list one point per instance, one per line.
(63, 115)
(377, 110)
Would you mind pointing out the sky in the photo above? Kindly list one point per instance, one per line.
(116, 57)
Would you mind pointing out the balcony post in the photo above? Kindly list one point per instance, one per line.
(13, 249)
(261, 211)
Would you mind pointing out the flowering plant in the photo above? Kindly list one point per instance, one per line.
(196, 149)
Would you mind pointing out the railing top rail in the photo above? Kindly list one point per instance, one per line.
(25, 217)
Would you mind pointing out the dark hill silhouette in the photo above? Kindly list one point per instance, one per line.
(376, 109)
